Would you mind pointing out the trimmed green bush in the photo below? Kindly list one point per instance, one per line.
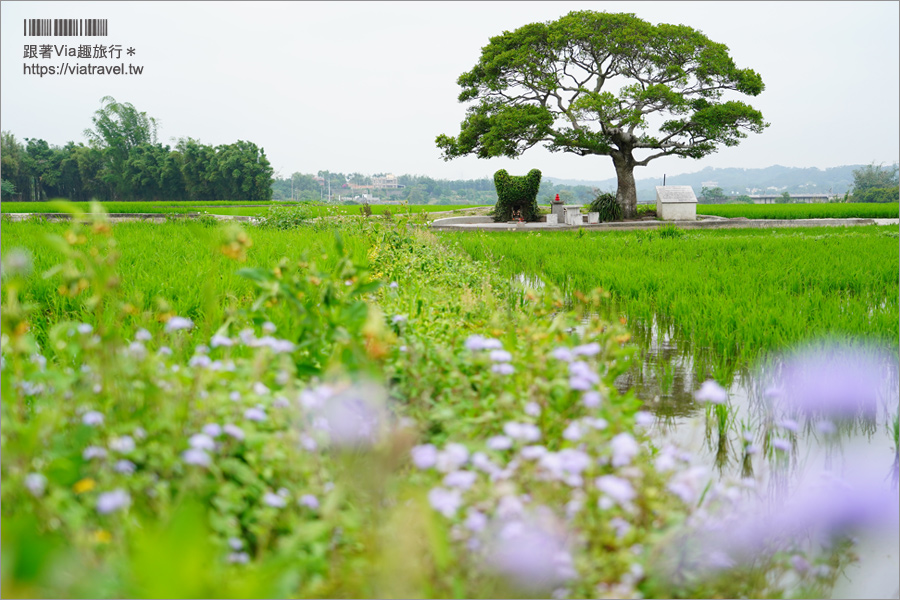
(516, 196)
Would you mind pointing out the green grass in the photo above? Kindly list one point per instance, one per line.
(732, 294)
(170, 267)
(802, 211)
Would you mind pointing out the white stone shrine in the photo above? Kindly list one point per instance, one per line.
(676, 203)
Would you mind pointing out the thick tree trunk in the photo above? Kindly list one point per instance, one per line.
(626, 193)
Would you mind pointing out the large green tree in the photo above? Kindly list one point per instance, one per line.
(594, 83)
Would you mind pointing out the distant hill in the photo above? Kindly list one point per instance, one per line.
(734, 181)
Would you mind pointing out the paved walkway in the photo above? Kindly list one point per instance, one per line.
(487, 224)
(118, 217)
(483, 223)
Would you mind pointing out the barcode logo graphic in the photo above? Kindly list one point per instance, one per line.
(65, 27)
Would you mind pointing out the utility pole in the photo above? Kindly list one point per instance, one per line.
(292, 187)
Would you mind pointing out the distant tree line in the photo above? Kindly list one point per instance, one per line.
(875, 183)
(415, 189)
(124, 161)
(418, 189)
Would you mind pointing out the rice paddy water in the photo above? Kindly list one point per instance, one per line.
(747, 308)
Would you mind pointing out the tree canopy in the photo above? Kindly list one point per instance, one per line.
(876, 183)
(594, 83)
(124, 162)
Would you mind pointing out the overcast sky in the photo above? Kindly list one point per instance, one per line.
(365, 87)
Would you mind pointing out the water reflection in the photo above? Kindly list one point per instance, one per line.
(756, 435)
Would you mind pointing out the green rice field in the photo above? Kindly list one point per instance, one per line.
(735, 294)
(803, 211)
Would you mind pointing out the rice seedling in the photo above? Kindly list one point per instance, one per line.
(732, 295)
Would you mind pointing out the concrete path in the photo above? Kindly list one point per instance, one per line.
(483, 223)
(120, 217)
(703, 222)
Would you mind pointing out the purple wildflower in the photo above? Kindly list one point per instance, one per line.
(644, 419)
(36, 484)
(255, 414)
(201, 441)
(475, 520)
(503, 369)
(563, 354)
(452, 457)
(530, 555)
(355, 417)
(200, 361)
(533, 452)
(92, 418)
(617, 489)
(499, 442)
(212, 430)
(218, 341)
(235, 543)
(478, 342)
(510, 507)
(826, 427)
(501, 356)
(591, 349)
(112, 501)
(124, 466)
(178, 323)
(591, 399)
(309, 501)
(424, 456)
(124, 444)
(836, 382)
(445, 501)
(92, 452)
(711, 392)
(522, 431)
(624, 448)
(573, 432)
(581, 376)
(274, 500)
(234, 431)
(788, 424)
(484, 464)
(800, 564)
(194, 456)
(689, 484)
(460, 479)
(781, 444)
